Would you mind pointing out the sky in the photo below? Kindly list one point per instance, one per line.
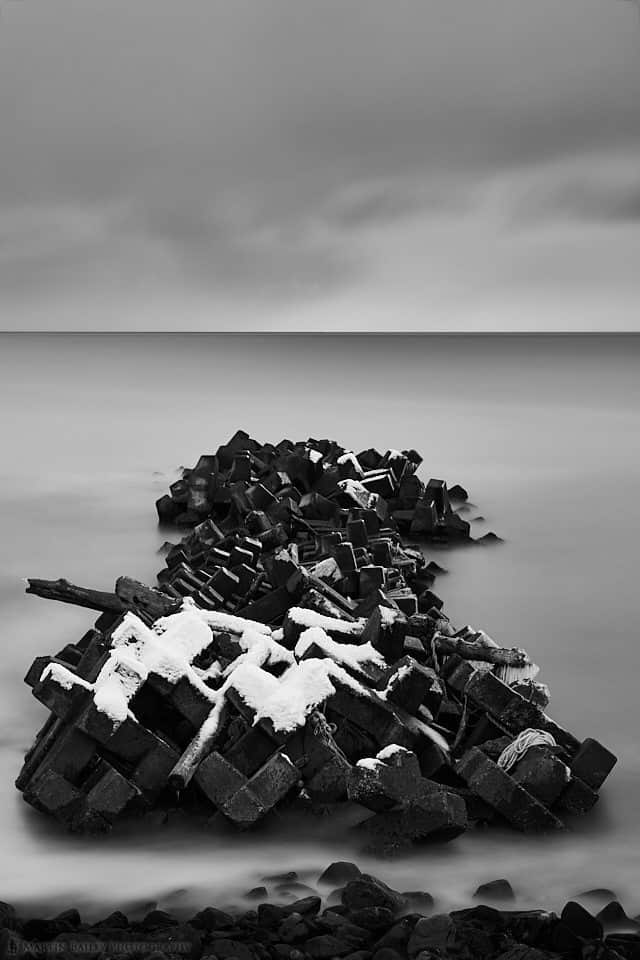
(319, 165)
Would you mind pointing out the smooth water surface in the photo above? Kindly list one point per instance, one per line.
(542, 431)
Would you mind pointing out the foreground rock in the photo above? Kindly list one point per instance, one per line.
(371, 921)
(296, 653)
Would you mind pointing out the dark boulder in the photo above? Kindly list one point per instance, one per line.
(327, 946)
(294, 929)
(158, 920)
(306, 907)
(69, 918)
(431, 934)
(581, 922)
(372, 918)
(228, 949)
(257, 893)
(613, 917)
(339, 873)
(388, 953)
(115, 921)
(398, 936)
(495, 890)
(419, 901)
(212, 919)
(367, 891)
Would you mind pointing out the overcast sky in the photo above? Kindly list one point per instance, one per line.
(319, 164)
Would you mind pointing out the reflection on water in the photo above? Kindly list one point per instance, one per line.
(541, 432)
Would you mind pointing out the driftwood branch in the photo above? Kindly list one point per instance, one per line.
(66, 592)
(445, 641)
(138, 596)
(471, 650)
(200, 747)
(129, 595)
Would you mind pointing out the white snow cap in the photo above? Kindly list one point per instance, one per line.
(387, 753)
(63, 677)
(358, 492)
(391, 751)
(311, 618)
(389, 615)
(287, 700)
(352, 655)
(369, 763)
(170, 646)
(350, 457)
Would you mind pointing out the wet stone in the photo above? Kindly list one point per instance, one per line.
(339, 873)
(367, 891)
(495, 890)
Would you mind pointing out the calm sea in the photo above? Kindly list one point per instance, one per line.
(543, 431)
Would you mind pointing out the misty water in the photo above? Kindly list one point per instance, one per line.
(543, 432)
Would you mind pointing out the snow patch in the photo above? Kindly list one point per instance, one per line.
(63, 677)
(388, 615)
(287, 700)
(261, 651)
(358, 492)
(350, 457)
(370, 763)
(350, 654)
(311, 618)
(391, 751)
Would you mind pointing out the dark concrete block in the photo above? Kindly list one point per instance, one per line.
(386, 630)
(65, 701)
(436, 491)
(190, 702)
(542, 774)
(437, 817)
(345, 557)
(52, 792)
(274, 780)
(357, 533)
(423, 519)
(372, 578)
(224, 582)
(71, 755)
(218, 779)
(109, 792)
(577, 798)
(501, 792)
(411, 685)
(593, 763)
(151, 773)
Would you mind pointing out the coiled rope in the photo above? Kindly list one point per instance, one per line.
(516, 750)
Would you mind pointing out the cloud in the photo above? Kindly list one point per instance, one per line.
(301, 247)
(247, 159)
(596, 187)
(74, 248)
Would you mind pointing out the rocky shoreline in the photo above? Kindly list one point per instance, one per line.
(342, 913)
